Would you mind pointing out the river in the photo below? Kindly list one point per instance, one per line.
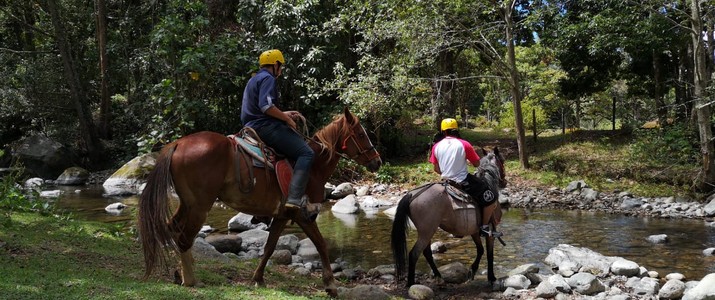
(363, 239)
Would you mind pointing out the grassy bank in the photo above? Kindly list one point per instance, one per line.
(48, 256)
(645, 163)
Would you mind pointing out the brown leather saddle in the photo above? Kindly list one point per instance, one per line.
(247, 143)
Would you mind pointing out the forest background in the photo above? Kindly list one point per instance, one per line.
(116, 78)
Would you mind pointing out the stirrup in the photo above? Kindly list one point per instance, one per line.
(489, 233)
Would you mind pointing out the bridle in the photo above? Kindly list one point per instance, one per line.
(360, 150)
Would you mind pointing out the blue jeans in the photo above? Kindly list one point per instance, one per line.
(286, 141)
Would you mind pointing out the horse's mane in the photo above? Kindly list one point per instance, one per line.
(489, 172)
(328, 136)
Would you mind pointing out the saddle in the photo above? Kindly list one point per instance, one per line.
(247, 142)
(460, 199)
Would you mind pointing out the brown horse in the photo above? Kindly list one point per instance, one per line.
(205, 166)
(430, 207)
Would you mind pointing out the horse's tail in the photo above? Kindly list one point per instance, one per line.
(398, 237)
(154, 213)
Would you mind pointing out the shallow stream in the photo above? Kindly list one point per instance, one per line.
(363, 239)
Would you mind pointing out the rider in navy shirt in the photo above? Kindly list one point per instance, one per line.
(276, 128)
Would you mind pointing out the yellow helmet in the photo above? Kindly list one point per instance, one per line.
(449, 123)
(271, 57)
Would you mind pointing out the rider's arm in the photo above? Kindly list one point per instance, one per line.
(273, 111)
(472, 155)
(433, 160)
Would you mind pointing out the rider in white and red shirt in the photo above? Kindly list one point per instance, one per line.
(449, 156)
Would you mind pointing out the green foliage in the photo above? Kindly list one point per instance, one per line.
(528, 108)
(13, 198)
(672, 145)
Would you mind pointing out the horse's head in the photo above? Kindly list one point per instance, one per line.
(356, 144)
(495, 158)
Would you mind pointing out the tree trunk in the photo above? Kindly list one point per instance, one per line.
(515, 88)
(661, 108)
(87, 128)
(105, 104)
(702, 109)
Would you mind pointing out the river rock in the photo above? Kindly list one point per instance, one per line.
(50, 194)
(115, 208)
(658, 238)
(524, 269)
(643, 286)
(625, 267)
(42, 156)
(362, 292)
(546, 290)
(253, 239)
(242, 222)
(673, 289)
(307, 250)
(709, 209)
(73, 176)
(585, 283)
(704, 290)
(131, 177)
(579, 260)
(420, 292)
(677, 276)
(282, 257)
(204, 250)
(575, 186)
(709, 252)
(342, 190)
(455, 272)
(347, 205)
(34, 183)
(558, 282)
(225, 242)
(631, 203)
(518, 282)
(288, 242)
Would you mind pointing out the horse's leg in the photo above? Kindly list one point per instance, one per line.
(427, 253)
(419, 248)
(186, 223)
(311, 230)
(490, 258)
(276, 229)
(480, 251)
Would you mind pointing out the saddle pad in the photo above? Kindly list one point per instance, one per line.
(457, 194)
(254, 151)
(284, 172)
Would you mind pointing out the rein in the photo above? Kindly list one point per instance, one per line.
(344, 146)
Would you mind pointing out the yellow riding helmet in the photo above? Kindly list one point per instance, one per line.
(271, 57)
(449, 123)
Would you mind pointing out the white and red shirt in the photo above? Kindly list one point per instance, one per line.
(452, 154)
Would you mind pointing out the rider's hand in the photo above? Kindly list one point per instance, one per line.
(290, 121)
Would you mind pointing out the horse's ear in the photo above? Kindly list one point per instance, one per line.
(348, 115)
(496, 151)
(481, 152)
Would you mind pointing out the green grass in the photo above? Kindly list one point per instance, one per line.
(604, 159)
(50, 257)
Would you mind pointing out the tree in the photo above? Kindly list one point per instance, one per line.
(703, 79)
(77, 92)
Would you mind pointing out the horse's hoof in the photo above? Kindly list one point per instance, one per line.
(332, 292)
(177, 277)
(260, 284)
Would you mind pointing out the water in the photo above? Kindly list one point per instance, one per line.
(364, 239)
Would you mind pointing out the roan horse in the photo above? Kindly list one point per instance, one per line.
(431, 207)
(204, 166)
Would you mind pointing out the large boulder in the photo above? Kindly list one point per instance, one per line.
(131, 177)
(42, 156)
(73, 176)
(577, 259)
